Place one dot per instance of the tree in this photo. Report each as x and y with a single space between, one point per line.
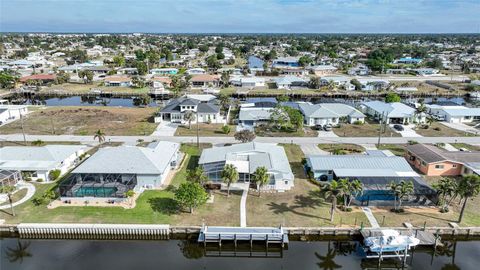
278 117
38 142
349 189
225 78
9 191
468 188
447 189
315 83
244 136
224 101
229 175
295 117
130 194
190 195
86 75
212 62
119 60
226 129
54 174
305 60
100 136
62 77
332 191
142 68
189 116
392 97
429 120
261 177
7 80
197 175
400 191
358 85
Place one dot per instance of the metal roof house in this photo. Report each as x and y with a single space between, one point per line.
329 113
37 162
392 113
112 171
254 112
206 110
374 170
455 113
247 157
286 62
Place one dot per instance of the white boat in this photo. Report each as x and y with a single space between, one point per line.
390 241
475 95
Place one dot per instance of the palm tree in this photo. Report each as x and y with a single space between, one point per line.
429 120
469 187
9 190
446 188
197 175
350 189
229 176
18 253
332 191
189 116
401 190
100 136
261 177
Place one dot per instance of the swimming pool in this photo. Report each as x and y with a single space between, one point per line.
95 192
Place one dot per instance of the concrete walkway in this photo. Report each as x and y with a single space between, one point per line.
243 208
165 129
450 147
30 193
461 127
371 218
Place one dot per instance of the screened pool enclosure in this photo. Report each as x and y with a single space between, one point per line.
97 185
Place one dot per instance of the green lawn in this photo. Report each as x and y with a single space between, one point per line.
265 131
438 130
466 146
204 130
343 149
364 130
396 149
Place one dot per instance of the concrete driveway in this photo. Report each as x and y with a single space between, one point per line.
462 127
407 131
312 149
326 134
165 129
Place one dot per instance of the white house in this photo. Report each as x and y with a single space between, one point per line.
455 113
247 82
289 82
329 113
246 158
118 81
204 107
37 162
373 84
392 113
195 71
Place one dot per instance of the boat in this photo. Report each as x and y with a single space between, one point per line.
390 241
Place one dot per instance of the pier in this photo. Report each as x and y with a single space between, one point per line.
267 235
426 238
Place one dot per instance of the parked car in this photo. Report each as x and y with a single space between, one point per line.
398 127
327 127
318 127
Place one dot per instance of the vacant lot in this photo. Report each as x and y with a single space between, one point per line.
304 205
365 130
266 131
85 88
342 149
86 121
204 130
438 130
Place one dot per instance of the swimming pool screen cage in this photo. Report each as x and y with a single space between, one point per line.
9 177
97 185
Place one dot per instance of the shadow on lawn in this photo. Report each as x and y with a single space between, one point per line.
166 206
312 200
193 162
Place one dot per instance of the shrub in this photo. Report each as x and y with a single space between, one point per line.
226 129
28 179
54 174
358 122
39 180
437 128
412 142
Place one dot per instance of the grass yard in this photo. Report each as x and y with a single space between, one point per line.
365 130
396 149
85 88
342 149
31 143
438 130
16 196
466 146
301 206
86 121
205 130
153 206
264 131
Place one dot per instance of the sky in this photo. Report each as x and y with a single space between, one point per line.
241 16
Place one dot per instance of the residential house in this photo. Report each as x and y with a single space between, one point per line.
373 84
322 70
454 113
425 71
123 81
435 161
391 113
254 112
290 82
246 158
375 170
204 80
359 70
255 64
41 79
127 71
408 61
247 82
286 62
329 113
112 171
204 106
37 162
196 71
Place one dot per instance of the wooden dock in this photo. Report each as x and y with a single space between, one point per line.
245 234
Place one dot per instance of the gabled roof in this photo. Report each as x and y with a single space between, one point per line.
39 77
130 159
329 110
173 106
395 109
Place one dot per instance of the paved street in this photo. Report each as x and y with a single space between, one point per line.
217 140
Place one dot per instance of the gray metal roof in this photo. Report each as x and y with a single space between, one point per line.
329 110
173 106
391 110
362 165
130 159
254 114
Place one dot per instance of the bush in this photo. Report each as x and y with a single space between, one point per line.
226 129
412 142
37 201
53 175
358 122
437 128
40 180
28 179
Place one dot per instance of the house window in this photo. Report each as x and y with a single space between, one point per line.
454 165
286 182
439 167
330 172
423 163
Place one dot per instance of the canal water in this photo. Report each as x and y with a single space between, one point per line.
133 102
183 254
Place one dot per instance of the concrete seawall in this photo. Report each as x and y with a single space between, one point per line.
165 231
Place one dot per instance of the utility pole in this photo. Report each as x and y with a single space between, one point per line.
380 129
23 130
198 128
53 126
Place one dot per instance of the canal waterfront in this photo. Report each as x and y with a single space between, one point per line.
182 254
